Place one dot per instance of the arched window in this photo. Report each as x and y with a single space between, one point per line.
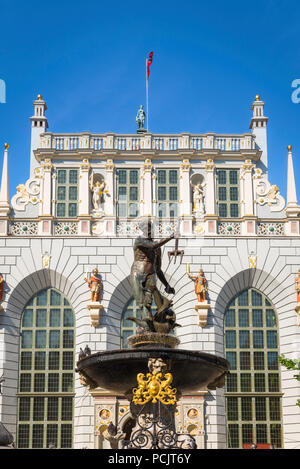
253 398
46 372
129 328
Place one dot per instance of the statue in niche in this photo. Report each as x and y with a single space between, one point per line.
198 199
297 286
145 269
140 118
200 285
95 285
97 186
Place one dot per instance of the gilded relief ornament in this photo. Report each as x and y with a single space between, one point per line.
154 387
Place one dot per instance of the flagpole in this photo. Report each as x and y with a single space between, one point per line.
147 104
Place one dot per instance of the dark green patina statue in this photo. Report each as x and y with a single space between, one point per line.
145 270
140 119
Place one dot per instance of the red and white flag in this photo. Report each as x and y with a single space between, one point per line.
149 62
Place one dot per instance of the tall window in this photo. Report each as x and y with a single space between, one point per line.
67 193
167 193
128 193
253 386
228 193
129 328
46 372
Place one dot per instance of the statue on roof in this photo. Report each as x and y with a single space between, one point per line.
140 118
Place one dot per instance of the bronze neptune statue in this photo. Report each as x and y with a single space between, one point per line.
145 270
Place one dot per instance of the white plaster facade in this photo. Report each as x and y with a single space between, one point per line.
106 243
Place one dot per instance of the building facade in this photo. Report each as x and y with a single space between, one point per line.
80 210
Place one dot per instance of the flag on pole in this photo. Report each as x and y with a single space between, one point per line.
149 62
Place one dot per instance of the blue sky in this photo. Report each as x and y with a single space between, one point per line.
87 59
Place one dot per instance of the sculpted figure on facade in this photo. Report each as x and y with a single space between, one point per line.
145 270
95 285
200 285
140 118
98 189
198 199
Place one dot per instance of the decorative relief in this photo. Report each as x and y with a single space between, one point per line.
27 193
65 228
128 228
154 387
270 229
24 228
164 228
229 228
267 194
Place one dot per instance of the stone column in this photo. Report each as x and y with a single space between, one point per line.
210 198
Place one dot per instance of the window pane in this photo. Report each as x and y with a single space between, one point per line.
41 298
133 193
261 434
270 318
234 210
40 360
275 430
221 177
26 363
245 360
54 339
232 408
271 339
230 318
247 433
67 382
230 339
274 403
122 191
259 382
67 408
258 339
53 382
54 317
23 436
61 176
256 298
38 408
233 177
68 361
259 360
245 382
173 193
222 193
41 317
161 177
72 193
68 318
134 178
24 409
27 320
37 436
243 318
39 382
66 436
55 298
61 193
246 407
68 339
73 176
161 193
244 337
234 193
223 210
25 383
257 318
243 298
72 210
26 339
272 360
52 431
61 210
122 176
52 413
53 360
233 436
40 339
173 176
273 382
231 380
260 408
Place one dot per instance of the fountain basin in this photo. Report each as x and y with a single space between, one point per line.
117 370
